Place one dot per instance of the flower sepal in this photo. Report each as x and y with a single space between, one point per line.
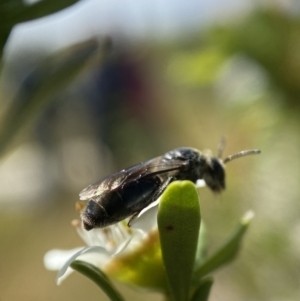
98 277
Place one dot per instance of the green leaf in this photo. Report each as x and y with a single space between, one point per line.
98 277
203 290
40 86
178 225
201 253
13 12
227 252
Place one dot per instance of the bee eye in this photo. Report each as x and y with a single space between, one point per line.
218 169
215 176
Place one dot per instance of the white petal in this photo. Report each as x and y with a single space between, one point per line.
100 257
147 218
68 272
55 259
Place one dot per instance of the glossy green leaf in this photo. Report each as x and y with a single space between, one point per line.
203 290
178 225
227 252
98 277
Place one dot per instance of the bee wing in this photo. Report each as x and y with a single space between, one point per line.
149 168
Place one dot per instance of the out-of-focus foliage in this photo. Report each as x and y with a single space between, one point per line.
13 12
272 39
41 85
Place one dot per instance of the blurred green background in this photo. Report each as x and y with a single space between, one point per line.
81 103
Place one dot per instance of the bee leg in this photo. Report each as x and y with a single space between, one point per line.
133 217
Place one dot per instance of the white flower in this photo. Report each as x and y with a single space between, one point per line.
105 244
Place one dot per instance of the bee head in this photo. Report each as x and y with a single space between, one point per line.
214 175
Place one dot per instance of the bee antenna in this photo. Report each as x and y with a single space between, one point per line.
221 147
241 154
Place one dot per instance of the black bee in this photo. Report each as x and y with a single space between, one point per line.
126 193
